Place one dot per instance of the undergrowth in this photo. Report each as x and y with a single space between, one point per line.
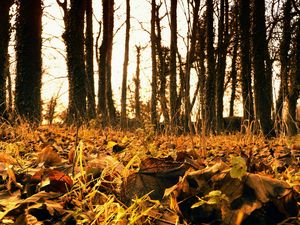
99 160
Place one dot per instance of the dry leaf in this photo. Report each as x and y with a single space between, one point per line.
49 157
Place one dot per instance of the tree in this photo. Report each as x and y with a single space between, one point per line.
163 67
200 48
233 73
29 61
262 82
154 65
105 102
74 41
295 87
223 40
244 26
125 66
137 84
89 60
173 52
109 95
4 39
102 109
210 81
190 58
284 57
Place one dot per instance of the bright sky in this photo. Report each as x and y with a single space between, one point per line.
53 47
55 73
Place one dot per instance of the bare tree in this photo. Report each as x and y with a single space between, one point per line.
74 41
223 40
210 81
125 66
163 67
89 60
263 97
295 84
244 25
284 57
4 59
105 101
233 73
109 95
190 58
29 60
173 52
154 66
137 83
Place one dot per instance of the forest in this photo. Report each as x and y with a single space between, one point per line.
214 140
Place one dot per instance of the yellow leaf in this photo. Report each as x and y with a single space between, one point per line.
111 144
239 167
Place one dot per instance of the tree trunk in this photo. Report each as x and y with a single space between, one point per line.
263 98
4 40
190 57
154 66
89 59
137 85
295 88
221 65
174 113
9 89
29 61
162 56
102 109
125 66
202 71
105 101
233 76
244 22
284 58
74 41
210 81
233 73
109 95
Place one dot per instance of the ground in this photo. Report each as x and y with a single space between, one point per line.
54 174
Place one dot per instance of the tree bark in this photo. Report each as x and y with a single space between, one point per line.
74 41
210 81
223 39
233 73
190 57
109 95
4 59
102 105
244 25
154 66
89 59
174 112
137 83
163 53
295 88
125 66
202 71
284 58
263 98
105 101
29 61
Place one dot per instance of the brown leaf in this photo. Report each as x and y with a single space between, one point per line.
49 157
52 180
12 179
154 177
7 159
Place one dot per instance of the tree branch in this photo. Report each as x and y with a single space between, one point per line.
63 5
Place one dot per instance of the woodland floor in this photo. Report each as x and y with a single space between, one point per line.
61 175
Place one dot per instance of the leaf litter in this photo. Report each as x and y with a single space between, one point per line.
60 175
